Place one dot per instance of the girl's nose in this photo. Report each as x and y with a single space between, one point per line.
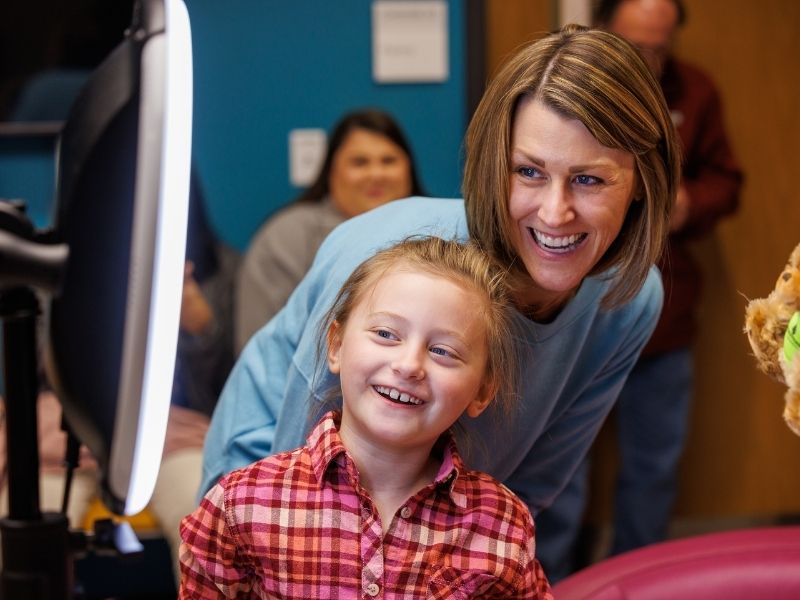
409 364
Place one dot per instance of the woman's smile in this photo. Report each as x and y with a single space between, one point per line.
557 244
568 198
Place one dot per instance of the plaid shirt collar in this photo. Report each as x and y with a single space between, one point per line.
325 445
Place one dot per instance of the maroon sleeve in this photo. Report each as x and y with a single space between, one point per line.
711 173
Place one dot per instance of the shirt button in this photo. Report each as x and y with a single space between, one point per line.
373 589
405 512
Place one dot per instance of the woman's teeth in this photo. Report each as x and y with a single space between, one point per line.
396 395
557 244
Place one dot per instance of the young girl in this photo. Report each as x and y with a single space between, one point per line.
379 503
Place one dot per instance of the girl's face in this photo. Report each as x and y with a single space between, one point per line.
368 170
568 199
411 359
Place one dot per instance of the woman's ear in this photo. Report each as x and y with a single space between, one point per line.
334 345
485 396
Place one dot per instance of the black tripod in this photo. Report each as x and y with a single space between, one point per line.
38 548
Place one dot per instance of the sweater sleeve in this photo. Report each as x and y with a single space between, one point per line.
712 176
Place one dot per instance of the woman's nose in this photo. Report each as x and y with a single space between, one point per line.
556 207
377 170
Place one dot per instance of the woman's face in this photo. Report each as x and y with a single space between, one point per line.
368 170
568 199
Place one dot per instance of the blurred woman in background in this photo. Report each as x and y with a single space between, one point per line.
368 163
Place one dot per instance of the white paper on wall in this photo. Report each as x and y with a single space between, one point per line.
307 149
410 41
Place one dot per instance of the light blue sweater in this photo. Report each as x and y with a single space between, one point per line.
572 368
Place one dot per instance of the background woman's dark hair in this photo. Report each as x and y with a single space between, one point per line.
373 120
603 11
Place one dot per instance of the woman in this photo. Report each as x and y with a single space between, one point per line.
571 170
368 163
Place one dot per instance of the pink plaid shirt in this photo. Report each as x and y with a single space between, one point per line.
299 525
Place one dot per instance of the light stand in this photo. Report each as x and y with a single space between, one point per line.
37 548
122 190
37 561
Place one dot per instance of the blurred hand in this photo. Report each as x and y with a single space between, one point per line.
680 212
196 313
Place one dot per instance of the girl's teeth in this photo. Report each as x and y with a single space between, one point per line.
397 395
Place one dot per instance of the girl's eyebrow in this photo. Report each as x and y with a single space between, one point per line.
385 313
446 332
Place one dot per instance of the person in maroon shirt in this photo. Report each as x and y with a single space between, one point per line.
653 408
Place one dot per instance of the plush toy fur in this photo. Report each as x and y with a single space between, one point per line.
766 321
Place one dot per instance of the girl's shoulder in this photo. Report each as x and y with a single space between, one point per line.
485 493
274 472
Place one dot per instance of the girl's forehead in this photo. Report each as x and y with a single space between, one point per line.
404 267
447 285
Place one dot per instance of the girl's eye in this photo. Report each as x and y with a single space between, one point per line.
443 352
385 334
587 180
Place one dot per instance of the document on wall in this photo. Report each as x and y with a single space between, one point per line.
410 41
307 148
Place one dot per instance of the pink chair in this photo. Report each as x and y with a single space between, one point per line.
752 564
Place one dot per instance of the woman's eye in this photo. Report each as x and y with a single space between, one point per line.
587 180
529 172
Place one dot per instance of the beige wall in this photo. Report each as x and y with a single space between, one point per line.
741 459
510 23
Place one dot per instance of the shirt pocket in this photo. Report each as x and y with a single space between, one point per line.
457 584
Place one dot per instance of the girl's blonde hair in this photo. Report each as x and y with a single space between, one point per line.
464 264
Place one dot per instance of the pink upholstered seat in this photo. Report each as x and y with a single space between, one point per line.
752 564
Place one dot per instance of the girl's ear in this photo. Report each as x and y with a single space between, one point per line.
334 345
485 395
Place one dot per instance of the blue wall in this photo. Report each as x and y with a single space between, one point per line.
261 69
264 67
27 173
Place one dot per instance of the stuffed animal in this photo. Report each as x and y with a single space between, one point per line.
772 325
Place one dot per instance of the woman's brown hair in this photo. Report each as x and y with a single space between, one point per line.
599 79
